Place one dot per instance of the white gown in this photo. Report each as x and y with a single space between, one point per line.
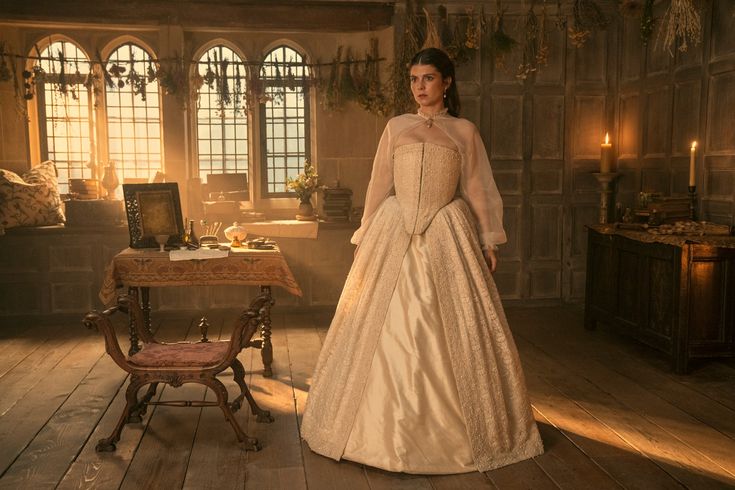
419 372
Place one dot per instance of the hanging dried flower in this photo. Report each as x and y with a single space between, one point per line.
530 46
500 42
457 47
542 53
151 72
473 32
681 24
209 76
432 35
332 100
587 18
561 18
237 96
398 85
578 38
62 84
224 83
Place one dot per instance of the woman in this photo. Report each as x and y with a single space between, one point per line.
419 372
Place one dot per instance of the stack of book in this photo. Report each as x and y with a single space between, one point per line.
671 208
337 204
85 189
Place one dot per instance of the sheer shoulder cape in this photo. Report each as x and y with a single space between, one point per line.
476 186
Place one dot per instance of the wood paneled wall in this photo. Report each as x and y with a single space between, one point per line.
665 102
544 133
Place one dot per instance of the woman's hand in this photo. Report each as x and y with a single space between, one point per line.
491 259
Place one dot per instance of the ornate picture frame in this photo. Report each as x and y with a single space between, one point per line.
153 209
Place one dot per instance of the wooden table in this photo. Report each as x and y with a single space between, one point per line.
141 269
671 292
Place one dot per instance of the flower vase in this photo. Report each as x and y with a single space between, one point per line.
110 181
306 210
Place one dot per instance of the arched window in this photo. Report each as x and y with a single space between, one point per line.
66 118
133 114
285 118
222 123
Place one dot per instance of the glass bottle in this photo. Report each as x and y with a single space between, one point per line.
190 237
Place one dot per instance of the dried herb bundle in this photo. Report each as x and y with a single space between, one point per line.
681 24
398 84
432 39
369 91
500 42
331 98
587 18
530 45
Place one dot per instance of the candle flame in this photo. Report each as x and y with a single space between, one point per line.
607 138
694 145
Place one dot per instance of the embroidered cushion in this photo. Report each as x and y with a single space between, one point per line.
30 200
181 354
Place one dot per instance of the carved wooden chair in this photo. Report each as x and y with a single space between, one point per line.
178 363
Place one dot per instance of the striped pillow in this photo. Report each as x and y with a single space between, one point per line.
30 200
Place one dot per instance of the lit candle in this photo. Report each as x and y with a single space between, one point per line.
606 155
692 156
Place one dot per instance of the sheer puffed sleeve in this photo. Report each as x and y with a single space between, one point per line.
478 188
381 182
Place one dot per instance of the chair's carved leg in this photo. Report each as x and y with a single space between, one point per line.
134 345
261 416
145 294
131 397
136 414
248 443
265 334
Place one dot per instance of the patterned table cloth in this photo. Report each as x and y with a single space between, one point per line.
151 268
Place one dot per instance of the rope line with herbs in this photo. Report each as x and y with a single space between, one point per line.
242 85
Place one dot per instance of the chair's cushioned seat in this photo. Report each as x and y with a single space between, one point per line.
180 354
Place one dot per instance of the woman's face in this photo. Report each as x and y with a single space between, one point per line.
428 87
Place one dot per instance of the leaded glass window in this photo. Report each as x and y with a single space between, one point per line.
285 119
133 113
222 123
66 118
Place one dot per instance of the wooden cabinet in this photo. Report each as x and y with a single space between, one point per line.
674 294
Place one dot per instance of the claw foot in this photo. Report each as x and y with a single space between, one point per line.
251 444
264 417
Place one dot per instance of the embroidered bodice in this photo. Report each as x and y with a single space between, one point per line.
425 178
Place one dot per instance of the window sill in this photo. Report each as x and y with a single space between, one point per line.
291 228
283 228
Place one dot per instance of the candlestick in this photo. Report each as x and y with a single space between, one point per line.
606 155
693 202
605 179
692 158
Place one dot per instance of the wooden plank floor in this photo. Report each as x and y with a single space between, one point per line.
609 411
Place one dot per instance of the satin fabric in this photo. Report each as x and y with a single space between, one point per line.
410 406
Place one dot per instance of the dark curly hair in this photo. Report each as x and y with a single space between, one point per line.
440 60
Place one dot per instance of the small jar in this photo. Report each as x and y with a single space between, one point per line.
236 234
